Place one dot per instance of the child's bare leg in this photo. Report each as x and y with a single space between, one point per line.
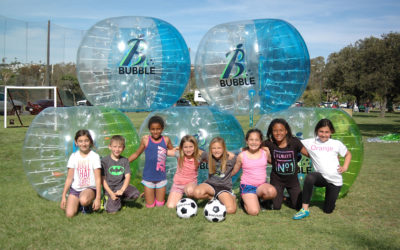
86 197
72 206
229 201
160 196
149 195
173 199
189 189
203 191
266 191
251 204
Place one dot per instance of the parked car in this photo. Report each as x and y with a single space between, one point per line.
10 108
326 105
361 108
83 103
36 107
183 102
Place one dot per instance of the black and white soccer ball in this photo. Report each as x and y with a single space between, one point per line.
215 211
186 208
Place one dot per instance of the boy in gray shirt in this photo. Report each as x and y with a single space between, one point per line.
116 175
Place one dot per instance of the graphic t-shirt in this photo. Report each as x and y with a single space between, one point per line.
115 171
324 156
220 179
284 160
84 170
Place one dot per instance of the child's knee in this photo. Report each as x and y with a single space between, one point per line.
230 209
85 201
70 213
197 193
252 211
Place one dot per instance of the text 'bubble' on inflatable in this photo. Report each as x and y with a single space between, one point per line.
255 66
49 142
204 124
133 64
302 121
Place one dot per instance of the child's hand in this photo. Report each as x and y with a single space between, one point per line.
96 204
342 169
113 196
63 203
119 192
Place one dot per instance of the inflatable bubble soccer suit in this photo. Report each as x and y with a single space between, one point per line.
133 64
302 122
257 66
204 123
49 142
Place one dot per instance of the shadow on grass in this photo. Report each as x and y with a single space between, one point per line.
132 204
373 130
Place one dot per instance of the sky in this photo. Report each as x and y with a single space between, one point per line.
326 26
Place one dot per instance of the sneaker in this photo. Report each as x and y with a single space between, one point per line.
87 210
301 214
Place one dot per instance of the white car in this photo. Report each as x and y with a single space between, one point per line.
10 108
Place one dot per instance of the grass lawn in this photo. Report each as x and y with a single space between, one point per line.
368 217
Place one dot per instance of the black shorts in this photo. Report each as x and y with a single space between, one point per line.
219 190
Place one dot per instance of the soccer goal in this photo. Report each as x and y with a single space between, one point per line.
6 103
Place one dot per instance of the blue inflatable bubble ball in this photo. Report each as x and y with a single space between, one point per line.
133 64
204 124
302 122
257 66
49 142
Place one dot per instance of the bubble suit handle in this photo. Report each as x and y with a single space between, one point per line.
133 64
268 56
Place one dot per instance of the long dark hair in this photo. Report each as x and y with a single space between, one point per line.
324 123
254 130
84 132
284 123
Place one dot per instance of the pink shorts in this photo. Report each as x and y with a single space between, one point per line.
177 188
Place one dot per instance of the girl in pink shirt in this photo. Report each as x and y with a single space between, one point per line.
185 178
253 161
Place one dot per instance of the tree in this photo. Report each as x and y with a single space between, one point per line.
312 96
367 70
65 78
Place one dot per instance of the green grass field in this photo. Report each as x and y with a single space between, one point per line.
367 218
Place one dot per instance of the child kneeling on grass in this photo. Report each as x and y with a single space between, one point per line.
116 175
324 153
83 178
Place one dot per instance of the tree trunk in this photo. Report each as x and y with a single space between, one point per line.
383 106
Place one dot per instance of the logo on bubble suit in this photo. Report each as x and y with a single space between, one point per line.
236 60
135 61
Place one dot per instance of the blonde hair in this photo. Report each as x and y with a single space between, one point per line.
118 139
188 138
224 157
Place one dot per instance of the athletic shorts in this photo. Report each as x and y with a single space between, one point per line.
155 184
130 193
177 188
248 189
219 190
77 193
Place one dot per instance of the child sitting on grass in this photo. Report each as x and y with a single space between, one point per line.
116 175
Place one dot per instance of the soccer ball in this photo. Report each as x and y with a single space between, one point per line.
186 208
215 211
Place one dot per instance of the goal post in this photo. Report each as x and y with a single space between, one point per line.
6 88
